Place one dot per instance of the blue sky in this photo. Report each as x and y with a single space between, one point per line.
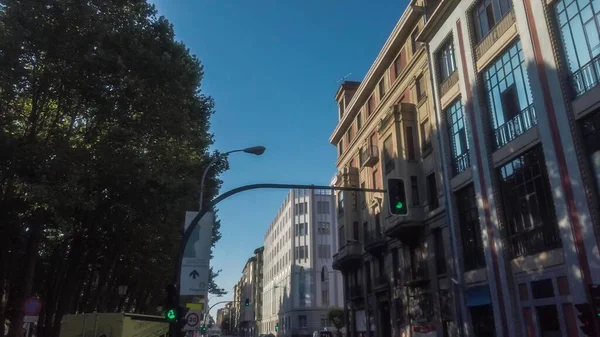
273 67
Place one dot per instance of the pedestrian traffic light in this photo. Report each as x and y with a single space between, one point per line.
171 305
247 302
586 318
203 327
397 197
276 326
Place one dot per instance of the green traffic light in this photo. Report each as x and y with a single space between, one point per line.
170 315
399 205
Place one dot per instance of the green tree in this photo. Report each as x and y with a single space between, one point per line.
336 317
103 133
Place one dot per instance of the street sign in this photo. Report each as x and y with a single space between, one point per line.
192 319
32 306
195 265
30 319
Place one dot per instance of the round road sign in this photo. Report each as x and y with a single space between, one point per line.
192 319
32 306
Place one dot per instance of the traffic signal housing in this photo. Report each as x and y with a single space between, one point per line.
397 202
277 326
171 305
595 294
247 302
586 317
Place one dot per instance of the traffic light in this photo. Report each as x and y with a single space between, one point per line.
276 326
203 328
247 302
397 202
171 305
595 294
586 318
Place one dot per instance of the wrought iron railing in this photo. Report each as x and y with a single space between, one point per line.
461 163
448 83
586 77
368 155
515 127
535 240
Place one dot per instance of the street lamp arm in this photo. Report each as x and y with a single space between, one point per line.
215 201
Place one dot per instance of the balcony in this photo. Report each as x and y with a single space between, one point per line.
513 128
535 240
495 34
348 257
449 83
406 228
586 77
375 242
369 155
355 292
381 284
416 276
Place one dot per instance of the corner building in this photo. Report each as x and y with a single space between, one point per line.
396 271
516 86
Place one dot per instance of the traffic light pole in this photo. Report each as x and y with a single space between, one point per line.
174 330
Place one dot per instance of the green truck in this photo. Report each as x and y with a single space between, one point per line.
113 325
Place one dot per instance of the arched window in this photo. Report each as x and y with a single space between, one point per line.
324 274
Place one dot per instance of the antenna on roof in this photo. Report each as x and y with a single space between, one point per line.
341 80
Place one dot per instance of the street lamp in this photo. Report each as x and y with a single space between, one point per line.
255 150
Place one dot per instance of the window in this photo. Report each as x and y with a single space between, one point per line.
487 13
323 228
432 192
302 321
322 207
470 228
358 121
302 287
340 202
301 229
458 137
413 40
325 297
398 65
529 214
446 61
426 135
420 88
340 148
440 254
355 235
376 179
414 185
388 151
324 274
302 252
362 196
341 110
509 96
342 236
579 24
370 105
381 88
410 143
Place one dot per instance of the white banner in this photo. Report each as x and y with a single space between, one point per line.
195 265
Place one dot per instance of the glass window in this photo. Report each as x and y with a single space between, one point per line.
370 105
579 24
458 137
509 95
410 143
420 87
470 228
440 254
388 150
398 65
426 135
529 214
487 13
381 86
446 61
432 192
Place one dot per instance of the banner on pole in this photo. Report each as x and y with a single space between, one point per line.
195 265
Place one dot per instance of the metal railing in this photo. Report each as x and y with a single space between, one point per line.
515 127
586 77
535 240
461 163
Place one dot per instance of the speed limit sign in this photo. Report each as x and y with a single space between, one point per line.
192 319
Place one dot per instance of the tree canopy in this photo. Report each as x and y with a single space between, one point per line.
104 133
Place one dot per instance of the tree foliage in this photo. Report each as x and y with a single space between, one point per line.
336 317
104 133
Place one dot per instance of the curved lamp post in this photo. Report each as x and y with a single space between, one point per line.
255 150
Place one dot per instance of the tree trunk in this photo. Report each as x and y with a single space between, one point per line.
37 223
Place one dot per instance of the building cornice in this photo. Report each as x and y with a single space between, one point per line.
437 19
394 42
